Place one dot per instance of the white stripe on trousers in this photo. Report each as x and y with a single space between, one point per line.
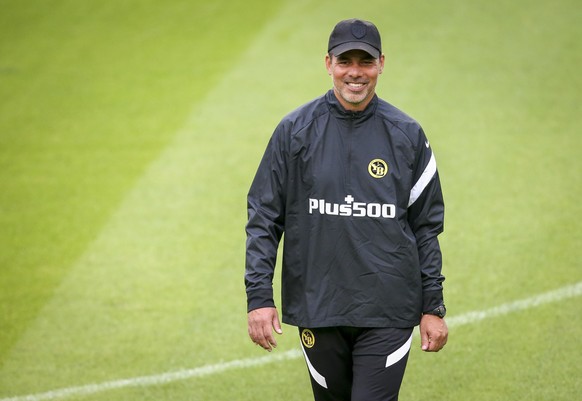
393 358
314 373
399 353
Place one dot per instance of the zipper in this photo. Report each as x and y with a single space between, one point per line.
351 139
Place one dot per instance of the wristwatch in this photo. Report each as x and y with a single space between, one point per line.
439 311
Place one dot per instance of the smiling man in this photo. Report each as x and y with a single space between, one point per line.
352 183
354 74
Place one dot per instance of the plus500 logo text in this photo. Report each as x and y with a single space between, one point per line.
351 208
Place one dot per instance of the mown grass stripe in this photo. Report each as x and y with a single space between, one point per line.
557 295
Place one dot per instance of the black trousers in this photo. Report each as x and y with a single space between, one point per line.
356 364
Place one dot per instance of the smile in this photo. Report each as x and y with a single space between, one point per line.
355 86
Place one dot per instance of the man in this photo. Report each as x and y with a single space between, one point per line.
353 184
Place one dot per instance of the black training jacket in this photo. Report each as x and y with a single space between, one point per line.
358 197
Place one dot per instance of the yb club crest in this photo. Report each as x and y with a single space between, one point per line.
307 338
378 168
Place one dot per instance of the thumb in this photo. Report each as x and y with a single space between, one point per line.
277 324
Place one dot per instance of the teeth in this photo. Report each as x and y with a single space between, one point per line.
355 85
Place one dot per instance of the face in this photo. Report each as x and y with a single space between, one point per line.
354 74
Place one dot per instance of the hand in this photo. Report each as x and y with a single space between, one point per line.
433 333
262 322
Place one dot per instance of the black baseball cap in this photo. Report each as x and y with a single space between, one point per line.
352 34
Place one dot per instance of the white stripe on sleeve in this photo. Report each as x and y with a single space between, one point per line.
423 181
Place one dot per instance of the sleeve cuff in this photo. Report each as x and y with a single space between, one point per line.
432 300
260 299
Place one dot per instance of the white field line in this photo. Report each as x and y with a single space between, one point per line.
557 295
160 379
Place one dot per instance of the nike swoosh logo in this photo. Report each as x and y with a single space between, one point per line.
427 144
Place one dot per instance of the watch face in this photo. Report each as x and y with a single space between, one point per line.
441 311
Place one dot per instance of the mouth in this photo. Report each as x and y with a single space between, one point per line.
355 86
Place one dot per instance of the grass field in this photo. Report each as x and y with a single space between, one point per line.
129 134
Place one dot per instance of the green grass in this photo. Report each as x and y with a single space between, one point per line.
91 92
130 132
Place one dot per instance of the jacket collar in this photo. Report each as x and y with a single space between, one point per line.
339 111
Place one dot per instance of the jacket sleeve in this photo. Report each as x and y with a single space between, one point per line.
426 218
266 222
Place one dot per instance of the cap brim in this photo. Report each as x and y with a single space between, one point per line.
344 47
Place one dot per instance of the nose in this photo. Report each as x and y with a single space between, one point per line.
355 71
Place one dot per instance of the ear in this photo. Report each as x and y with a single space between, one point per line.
328 63
381 60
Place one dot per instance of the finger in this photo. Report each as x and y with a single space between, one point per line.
253 327
266 345
424 340
263 340
270 341
262 330
436 344
277 325
251 333
256 334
